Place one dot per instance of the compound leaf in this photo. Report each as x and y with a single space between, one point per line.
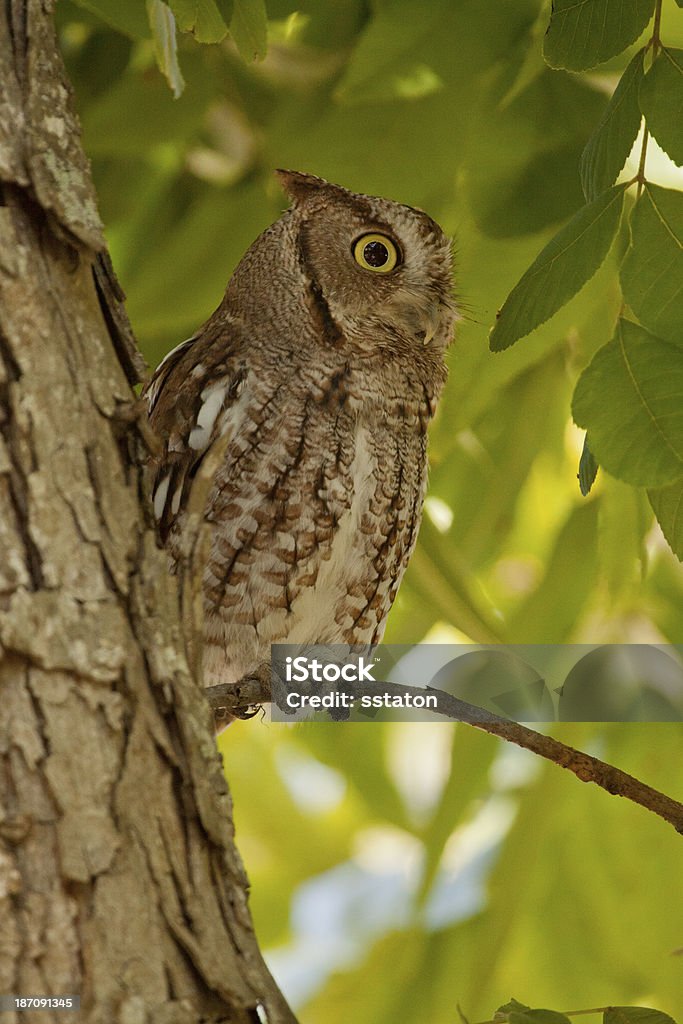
609 145
661 101
652 271
667 505
568 261
163 27
249 29
200 17
583 33
635 1015
630 398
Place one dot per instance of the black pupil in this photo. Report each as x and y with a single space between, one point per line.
376 254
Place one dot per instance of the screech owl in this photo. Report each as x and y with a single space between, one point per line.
318 375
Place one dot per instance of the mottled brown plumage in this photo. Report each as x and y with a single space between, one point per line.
321 375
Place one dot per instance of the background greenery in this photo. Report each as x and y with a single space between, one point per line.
400 870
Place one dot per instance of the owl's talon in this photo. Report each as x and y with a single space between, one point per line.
246 714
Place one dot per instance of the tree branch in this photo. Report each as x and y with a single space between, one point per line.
253 690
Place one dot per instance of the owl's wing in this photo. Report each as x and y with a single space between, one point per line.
190 396
155 385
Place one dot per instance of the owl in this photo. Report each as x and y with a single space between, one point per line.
315 381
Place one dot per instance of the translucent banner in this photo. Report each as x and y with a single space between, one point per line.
522 683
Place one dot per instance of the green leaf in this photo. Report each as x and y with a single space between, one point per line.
588 469
568 261
510 1006
583 33
537 1017
630 398
226 8
486 268
661 101
667 504
610 143
126 16
163 27
635 1015
249 28
200 17
652 271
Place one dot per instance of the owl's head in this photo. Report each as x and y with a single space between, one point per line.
372 261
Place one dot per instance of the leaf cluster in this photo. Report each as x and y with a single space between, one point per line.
630 397
209 21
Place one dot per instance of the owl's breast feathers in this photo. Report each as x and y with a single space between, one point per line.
315 505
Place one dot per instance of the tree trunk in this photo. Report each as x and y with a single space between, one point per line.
119 880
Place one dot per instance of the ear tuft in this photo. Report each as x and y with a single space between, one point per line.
299 186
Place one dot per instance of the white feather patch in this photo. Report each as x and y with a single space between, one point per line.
160 495
212 402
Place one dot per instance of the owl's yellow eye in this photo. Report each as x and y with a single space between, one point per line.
376 252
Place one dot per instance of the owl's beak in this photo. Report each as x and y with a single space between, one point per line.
430 318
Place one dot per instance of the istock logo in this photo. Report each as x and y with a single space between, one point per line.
303 669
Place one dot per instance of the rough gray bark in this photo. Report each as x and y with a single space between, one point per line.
119 879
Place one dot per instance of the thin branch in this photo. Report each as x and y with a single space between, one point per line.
656 44
254 690
640 176
656 39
